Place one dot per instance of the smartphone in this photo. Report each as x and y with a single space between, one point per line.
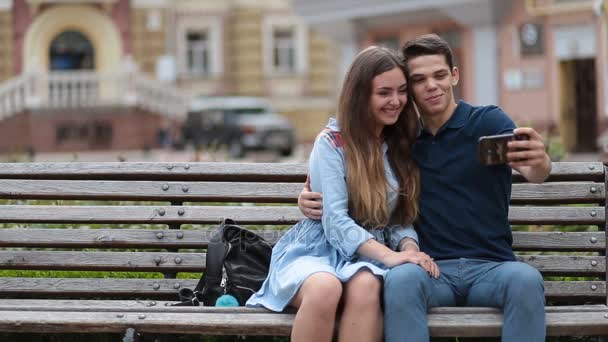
492 149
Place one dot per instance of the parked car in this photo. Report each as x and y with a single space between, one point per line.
240 123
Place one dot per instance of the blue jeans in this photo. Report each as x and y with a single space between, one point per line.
514 286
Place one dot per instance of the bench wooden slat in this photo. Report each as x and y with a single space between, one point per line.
557 215
247 214
566 264
572 171
93 287
546 193
210 171
276 324
199 238
115 238
283 172
100 305
150 190
559 241
552 309
490 324
564 192
194 262
103 261
149 214
84 305
464 325
167 288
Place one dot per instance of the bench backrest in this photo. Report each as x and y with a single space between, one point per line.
153 221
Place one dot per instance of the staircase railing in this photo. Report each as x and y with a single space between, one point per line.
86 89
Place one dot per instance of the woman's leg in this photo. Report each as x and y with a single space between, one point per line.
317 302
362 316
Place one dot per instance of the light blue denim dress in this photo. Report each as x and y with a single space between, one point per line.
328 245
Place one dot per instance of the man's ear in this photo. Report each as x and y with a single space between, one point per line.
455 76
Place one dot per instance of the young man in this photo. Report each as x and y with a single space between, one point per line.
463 220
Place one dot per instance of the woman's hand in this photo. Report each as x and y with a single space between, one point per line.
419 258
310 203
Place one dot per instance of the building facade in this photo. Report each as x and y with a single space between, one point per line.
111 74
543 61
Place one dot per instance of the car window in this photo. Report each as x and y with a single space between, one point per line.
238 111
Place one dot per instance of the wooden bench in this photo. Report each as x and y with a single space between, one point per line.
157 217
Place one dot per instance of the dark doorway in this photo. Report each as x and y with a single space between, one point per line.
578 105
71 50
586 105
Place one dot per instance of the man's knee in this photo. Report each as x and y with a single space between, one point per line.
524 280
522 273
405 278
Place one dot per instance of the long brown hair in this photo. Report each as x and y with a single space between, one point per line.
365 173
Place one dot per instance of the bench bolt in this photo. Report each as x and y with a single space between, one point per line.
176 286
593 213
181 212
593 189
178 260
157 260
152 303
605 315
591 167
170 167
165 187
156 286
120 315
141 316
185 188
593 287
161 212
180 235
593 239
593 263
187 166
159 235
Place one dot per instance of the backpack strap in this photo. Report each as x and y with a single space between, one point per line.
216 254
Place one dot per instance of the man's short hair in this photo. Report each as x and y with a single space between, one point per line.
427 44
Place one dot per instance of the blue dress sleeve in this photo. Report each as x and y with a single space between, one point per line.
328 176
396 233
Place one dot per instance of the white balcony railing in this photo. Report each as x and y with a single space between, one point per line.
86 89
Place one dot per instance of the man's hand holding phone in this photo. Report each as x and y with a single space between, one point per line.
529 152
524 150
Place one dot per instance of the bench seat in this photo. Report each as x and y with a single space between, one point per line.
103 247
147 316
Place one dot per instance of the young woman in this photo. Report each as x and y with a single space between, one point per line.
370 189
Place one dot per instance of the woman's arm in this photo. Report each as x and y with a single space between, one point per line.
329 177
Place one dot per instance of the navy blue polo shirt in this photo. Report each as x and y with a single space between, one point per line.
463 204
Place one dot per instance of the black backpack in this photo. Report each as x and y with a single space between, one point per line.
237 264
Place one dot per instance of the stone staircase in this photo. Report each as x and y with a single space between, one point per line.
62 111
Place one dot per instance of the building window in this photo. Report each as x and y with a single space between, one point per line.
285 46
197 53
284 49
199 47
